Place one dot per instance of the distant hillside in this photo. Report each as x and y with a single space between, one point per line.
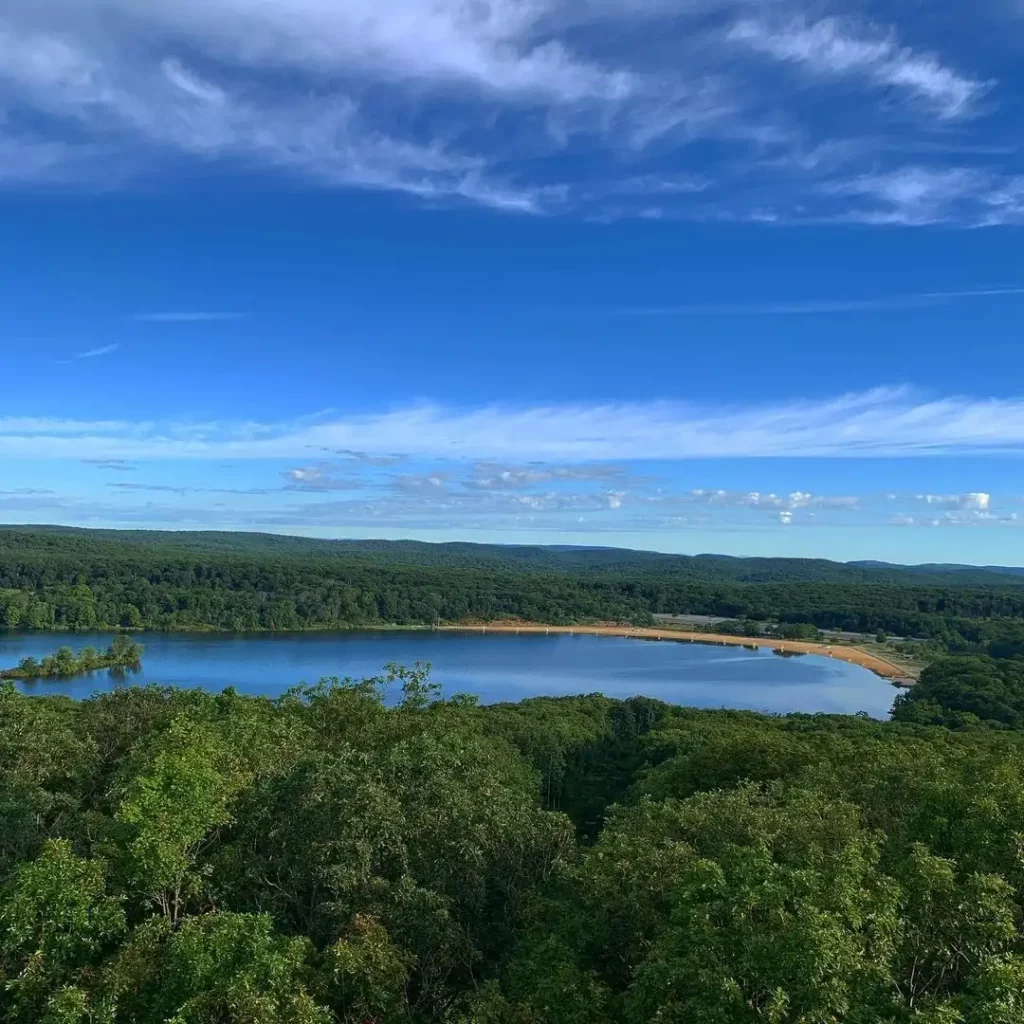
71 542
61 578
948 570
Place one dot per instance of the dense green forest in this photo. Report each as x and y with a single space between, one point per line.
365 852
74 579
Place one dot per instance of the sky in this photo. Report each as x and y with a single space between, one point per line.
738 276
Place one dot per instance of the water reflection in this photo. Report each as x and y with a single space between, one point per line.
495 667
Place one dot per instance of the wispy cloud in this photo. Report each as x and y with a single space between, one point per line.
158 488
424 483
490 476
388 459
318 478
980 501
966 516
538 107
435 500
920 195
103 350
786 503
879 423
183 490
808 307
117 465
186 318
840 47
314 129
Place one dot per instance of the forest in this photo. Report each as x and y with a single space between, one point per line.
363 851
77 580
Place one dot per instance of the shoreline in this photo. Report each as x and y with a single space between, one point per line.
897 675
852 655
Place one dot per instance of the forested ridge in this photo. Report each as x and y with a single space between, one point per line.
74 579
333 856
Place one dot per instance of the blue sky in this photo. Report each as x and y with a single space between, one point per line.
720 275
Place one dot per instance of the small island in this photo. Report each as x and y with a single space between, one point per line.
123 653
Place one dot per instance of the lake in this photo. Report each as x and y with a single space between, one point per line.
497 668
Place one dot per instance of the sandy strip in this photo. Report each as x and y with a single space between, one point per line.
853 655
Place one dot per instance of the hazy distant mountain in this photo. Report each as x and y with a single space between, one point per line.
944 567
65 542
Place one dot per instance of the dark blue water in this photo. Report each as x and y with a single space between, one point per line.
497 668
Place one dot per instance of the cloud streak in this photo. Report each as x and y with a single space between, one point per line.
880 423
103 350
117 465
186 318
838 47
812 307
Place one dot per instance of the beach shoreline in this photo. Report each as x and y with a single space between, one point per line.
853 655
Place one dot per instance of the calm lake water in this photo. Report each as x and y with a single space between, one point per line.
497 668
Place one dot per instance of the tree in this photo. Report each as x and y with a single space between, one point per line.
726 907
64 662
131 617
12 614
368 975
215 967
29 667
56 922
949 928
123 651
172 808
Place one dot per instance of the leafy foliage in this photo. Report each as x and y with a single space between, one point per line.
965 692
336 857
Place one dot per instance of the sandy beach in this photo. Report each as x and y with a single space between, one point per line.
853 655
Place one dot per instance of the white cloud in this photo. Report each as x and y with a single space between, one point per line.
839 47
120 103
975 508
924 195
879 423
496 45
489 476
960 510
783 505
318 478
528 106
978 500
97 70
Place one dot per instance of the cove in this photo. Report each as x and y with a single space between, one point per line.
494 667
